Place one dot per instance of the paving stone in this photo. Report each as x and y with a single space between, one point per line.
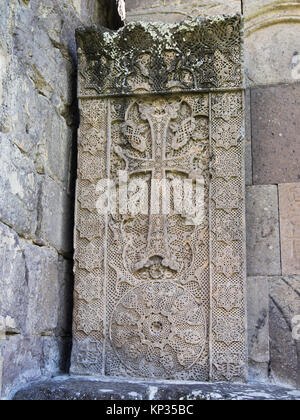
263 247
284 330
83 388
289 210
276 134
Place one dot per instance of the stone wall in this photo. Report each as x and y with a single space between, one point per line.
38 124
272 66
273 193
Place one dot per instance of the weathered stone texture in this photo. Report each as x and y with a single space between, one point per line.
55 209
284 344
275 134
142 294
170 11
263 246
85 388
13 283
18 189
289 209
28 359
42 280
37 136
274 330
35 296
272 44
248 138
258 325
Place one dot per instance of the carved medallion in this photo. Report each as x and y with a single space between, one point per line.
158 329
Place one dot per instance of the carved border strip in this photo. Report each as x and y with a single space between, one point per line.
228 321
89 259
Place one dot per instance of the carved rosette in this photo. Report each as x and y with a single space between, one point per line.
147 286
158 329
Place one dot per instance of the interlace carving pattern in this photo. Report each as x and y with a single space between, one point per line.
150 332
159 326
89 243
228 238
147 285
162 58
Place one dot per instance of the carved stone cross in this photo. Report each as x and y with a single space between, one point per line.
155 296
158 165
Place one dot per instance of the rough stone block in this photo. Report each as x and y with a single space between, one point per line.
58 148
275 134
55 216
27 359
65 297
289 209
42 277
13 283
284 337
18 189
272 43
170 11
3 66
40 129
22 361
258 319
41 60
263 247
56 355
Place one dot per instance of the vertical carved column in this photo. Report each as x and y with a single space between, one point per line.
227 227
160 294
89 264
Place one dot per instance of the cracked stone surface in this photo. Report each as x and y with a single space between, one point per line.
263 247
284 340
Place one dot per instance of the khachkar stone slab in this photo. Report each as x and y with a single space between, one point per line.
160 289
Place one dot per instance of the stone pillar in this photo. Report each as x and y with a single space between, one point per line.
160 293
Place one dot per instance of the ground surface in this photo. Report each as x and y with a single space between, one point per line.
84 388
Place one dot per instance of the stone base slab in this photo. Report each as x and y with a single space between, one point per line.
90 388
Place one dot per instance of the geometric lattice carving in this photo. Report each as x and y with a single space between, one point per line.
161 294
165 337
